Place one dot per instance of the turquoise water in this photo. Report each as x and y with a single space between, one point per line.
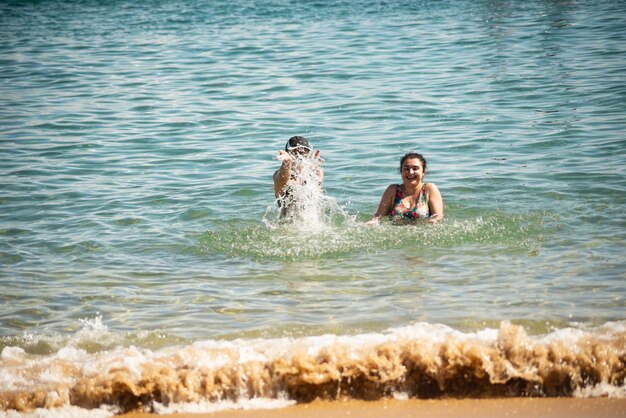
138 143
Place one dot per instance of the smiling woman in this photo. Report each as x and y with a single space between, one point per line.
413 199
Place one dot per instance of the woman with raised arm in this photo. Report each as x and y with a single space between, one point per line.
299 168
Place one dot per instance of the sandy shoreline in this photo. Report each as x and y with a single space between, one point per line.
444 408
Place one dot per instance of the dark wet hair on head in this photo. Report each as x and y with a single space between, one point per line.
412 155
297 143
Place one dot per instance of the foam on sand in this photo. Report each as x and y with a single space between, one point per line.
418 361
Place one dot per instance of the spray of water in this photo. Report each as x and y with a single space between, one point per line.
308 224
305 207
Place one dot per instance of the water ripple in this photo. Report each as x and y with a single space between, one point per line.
137 145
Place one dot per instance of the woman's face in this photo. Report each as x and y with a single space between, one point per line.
412 171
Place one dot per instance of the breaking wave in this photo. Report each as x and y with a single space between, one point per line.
419 361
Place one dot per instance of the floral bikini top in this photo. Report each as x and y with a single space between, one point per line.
420 210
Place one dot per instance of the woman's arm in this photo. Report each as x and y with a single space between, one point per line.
435 203
384 207
281 176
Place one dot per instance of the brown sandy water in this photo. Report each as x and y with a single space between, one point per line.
416 363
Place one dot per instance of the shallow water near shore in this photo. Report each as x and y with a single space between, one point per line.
139 233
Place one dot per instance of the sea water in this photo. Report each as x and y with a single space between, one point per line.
141 251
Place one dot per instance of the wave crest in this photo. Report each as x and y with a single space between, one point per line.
422 361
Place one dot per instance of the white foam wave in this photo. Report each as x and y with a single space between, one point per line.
65 412
210 407
233 374
602 390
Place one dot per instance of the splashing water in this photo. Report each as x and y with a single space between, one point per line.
305 207
336 233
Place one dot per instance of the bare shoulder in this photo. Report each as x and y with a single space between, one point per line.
431 188
390 193
391 189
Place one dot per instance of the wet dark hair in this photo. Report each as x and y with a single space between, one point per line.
296 143
412 155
